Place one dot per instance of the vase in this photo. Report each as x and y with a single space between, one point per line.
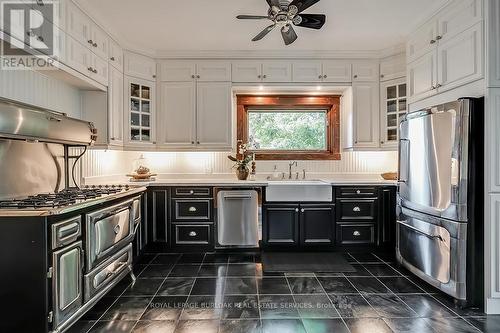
242 172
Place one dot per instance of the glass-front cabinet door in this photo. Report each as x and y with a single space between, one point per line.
393 108
140 126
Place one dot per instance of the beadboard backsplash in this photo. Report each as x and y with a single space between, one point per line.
99 163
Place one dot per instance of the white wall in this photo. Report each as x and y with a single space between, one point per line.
111 163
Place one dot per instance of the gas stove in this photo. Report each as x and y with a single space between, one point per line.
67 199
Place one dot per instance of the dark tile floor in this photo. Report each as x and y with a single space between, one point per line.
229 293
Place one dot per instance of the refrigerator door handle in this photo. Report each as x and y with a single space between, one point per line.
420 231
406 144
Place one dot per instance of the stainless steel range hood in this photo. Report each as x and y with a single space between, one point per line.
23 122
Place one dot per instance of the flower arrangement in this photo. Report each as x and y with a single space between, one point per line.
241 160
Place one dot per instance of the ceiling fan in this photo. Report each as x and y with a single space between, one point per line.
285 14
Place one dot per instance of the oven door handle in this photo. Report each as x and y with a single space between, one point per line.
420 231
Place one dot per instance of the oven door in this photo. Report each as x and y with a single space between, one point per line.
67 296
108 230
433 249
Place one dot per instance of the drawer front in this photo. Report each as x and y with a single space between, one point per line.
189 234
194 209
356 210
66 232
181 192
357 192
356 234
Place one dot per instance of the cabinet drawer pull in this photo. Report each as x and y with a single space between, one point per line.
192 209
296 209
356 209
356 233
192 234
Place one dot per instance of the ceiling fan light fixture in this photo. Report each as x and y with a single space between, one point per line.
297 20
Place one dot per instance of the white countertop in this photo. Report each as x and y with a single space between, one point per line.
230 180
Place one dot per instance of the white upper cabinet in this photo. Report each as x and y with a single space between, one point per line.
307 71
205 71
268 71
115 107
458 17
460 59
422 41
177 115
316 71
139 66
213 71
140 113
177 71
393 67
99 42
365 114
337 71
115 55
247 71
393 106
77 24
213 115
422 77
99 70
276 71
365 71
78 56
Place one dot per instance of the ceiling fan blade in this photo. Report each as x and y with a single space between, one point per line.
263 33
251 17
313 21
275 3
289 35
302 4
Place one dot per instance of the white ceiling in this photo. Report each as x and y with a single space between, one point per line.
160 26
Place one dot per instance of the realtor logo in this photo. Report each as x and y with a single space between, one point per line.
28 33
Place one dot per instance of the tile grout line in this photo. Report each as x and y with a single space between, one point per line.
331 302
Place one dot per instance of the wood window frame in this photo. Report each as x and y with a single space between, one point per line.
331 103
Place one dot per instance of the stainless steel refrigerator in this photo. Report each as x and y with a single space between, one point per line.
440 198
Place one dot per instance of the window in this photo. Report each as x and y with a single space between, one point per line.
290 127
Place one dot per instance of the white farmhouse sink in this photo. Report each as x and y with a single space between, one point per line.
299 191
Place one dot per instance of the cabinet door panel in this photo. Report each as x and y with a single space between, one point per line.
458 17
213 115
393 67
139 66
78 24
100 43
276 71
178 108
78 56
141 112
366 114
100 70
460 59
422 77
281 225
317 225
420 42
246 71
115 112
177 71
213 71
307 71
337 71
365 71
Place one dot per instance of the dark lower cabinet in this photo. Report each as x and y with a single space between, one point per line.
387 217
280 225
316 225
157 213
298 225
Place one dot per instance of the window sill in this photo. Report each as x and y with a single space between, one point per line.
311 156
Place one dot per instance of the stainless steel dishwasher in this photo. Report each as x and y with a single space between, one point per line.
237 218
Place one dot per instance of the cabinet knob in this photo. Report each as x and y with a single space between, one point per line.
356 233
197 142
433 41
89 69
193 76
192 209
438 37
356 209
438 85
192 142
192 234
154 76
40 38
198 76
382 76
296 209
325 76
112 139
358 192
94 44
112 58
433 87
355 76
320 77
90 41
264 76
382 142
191 192
302 210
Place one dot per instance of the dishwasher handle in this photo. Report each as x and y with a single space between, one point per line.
229 197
